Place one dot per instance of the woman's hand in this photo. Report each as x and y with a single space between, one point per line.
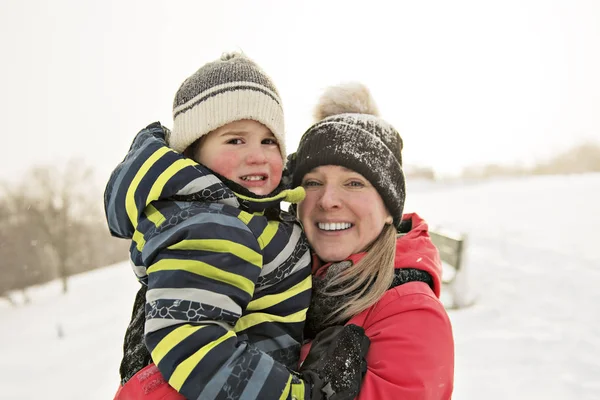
336 363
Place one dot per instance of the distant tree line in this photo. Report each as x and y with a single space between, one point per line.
52 226
419 172
579 159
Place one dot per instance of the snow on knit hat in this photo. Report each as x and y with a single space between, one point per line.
229 89
349 133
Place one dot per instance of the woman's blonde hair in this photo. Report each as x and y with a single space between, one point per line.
365 282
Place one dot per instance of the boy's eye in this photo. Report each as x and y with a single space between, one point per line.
270 141
235 141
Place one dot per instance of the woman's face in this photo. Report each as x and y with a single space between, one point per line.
342 213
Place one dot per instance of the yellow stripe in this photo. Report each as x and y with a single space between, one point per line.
130 207
154 215
164 177
293 196
220 246
204 269
272 299
257 318
171 340
245 217
298 391
286 391
183 370
263 200
139 240
265 238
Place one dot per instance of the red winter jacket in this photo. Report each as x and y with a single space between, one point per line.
412 348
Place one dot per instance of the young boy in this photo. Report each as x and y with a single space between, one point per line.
227 271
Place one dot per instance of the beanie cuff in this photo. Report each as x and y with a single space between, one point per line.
224 104
354 148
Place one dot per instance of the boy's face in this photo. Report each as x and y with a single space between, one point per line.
245 152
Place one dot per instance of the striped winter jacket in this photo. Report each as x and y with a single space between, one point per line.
228 275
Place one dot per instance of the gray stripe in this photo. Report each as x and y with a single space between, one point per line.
198 184
156 324
215 206
216 383
278 343
259 377
303 262
231 201
158 241
138 270
285 253
198 295
113 220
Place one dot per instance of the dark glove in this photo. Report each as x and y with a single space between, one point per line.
336 364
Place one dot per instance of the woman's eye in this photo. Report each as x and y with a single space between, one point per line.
309 183
234 141
270 141
355 184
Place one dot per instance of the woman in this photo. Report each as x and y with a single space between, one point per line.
364 273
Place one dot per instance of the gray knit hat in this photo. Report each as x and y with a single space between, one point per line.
350 134
229 89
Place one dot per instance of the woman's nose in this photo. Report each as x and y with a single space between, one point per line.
330 197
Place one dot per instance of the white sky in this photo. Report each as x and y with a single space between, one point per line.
464 82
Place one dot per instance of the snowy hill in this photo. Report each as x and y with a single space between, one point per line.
534 332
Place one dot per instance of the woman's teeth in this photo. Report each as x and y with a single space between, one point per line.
334 226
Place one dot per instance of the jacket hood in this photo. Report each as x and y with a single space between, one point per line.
152 171
414 249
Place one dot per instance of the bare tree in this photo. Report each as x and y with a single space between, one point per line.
22 260
52 226
58 204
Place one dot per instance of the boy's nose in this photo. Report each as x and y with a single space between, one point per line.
256 156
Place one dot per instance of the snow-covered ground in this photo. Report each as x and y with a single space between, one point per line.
534 332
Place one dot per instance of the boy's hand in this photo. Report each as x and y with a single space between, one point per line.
336 363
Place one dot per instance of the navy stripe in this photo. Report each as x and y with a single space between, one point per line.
275 383
291 305
269 330
185 348
193 311
184 279
258 226
199 226
145 185
285 284
229 262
